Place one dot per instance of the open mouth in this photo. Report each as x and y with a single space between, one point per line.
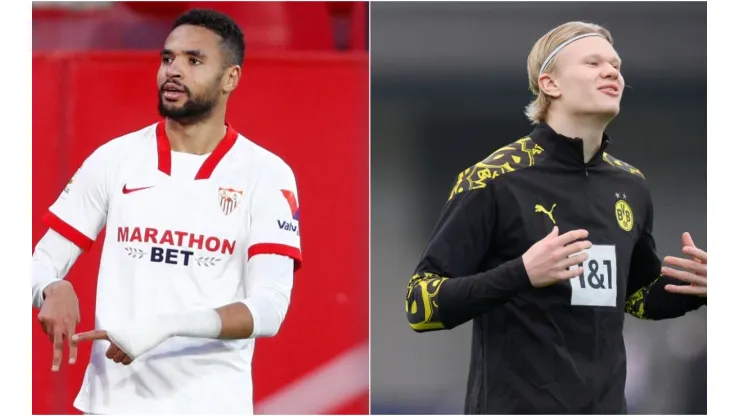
172 92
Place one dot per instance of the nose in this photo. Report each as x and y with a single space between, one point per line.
610 72
173 70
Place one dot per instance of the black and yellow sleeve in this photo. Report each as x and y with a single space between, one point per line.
448 288
646 294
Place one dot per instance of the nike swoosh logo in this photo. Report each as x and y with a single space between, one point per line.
129 190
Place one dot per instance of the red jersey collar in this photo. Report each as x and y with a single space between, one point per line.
164 155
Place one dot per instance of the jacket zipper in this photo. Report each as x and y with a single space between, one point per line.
595 352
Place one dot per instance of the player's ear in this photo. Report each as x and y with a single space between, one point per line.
549 85
231 78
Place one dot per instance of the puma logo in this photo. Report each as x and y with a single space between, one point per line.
540 208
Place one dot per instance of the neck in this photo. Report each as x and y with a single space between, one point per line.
199 138
589 129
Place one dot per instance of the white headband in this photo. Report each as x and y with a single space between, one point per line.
564 44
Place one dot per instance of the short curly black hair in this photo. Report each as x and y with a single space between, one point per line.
232 38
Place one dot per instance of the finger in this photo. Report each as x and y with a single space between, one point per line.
58 349
569 274
684 276
687 290
127 360
572 261
553 233
111 351
49 331
118 356
91 335
72 343
570 237
48 328
689 242
44 325
697 268
698 255
574 248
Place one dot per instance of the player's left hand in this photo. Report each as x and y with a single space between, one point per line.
118 355
695 270
131 340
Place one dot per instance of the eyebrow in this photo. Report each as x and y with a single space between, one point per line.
597 56
197 53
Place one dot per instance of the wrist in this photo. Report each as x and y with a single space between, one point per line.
55 287
518 267
205 323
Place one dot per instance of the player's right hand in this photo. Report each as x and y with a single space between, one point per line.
548 261
59 317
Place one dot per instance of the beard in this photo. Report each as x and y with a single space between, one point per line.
195 109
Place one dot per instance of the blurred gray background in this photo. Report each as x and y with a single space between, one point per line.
449 86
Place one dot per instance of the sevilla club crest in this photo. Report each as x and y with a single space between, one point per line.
229 199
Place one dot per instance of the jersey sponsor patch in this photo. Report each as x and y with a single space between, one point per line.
541 209
597 285
292 202
174 247
291 226
287 226
68 186
228 199
126 190
625 217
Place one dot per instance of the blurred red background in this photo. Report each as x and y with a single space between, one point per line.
304 96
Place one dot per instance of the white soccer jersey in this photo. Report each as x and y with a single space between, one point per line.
179 234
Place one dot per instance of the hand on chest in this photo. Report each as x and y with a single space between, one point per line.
607 212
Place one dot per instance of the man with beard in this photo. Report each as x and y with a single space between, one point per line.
201 247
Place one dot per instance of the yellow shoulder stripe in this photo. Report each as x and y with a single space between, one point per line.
517 155
622 165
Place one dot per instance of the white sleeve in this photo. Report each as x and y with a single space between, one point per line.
274 215
269 282
82 209
53 257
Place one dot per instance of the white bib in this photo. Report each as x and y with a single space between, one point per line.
597 285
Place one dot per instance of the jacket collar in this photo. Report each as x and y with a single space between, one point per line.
568 150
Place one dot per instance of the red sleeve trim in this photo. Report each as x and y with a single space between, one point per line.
281 249
67 231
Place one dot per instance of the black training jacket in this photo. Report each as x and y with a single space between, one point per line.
557 349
